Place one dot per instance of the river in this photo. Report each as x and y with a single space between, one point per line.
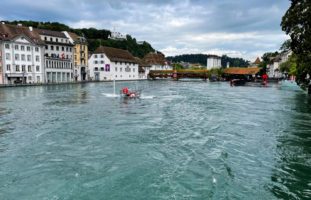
181 140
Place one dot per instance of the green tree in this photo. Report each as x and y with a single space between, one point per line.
297 24
286 46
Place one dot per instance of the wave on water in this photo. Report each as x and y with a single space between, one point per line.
111 95
147 97
117 96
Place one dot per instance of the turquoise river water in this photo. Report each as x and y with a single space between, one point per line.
181 140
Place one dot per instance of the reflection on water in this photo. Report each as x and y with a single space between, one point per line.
191 140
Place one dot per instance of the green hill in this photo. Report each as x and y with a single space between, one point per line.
95 37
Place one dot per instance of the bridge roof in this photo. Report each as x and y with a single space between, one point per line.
242 71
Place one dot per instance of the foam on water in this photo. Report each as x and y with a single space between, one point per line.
111 95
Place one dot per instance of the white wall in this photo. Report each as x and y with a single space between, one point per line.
213 62
59 59
99 63
29 55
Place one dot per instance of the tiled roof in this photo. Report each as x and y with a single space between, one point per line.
155 59
257 61
50 33
141 62
9 32
242 71
76 38
116 55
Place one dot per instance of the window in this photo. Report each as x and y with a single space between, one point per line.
96 69
16 47
133 69
46 47
38 79
29 68
63 48
56 39
128 69
120 69
8 67
7 56
101 55
70 49
37 49
95 62
102 69
23 48
116 69
28 57
51 39
23 68
107 68
17 68
67 49
37 58
57 48
95 56
37 68
45 39
23 58
16 56
28 48
61 40
52 47
7 46
29 78
102 62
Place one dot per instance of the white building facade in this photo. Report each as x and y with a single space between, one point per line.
273 69
22 56
58 56
213 61
108 64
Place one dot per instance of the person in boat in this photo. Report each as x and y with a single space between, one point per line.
129 93
265 79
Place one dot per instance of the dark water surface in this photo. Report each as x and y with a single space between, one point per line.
182 140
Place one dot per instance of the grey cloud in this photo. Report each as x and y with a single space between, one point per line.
167 23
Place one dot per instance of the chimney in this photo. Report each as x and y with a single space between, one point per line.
30 28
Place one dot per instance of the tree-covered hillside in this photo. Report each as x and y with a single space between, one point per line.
95 37
202 59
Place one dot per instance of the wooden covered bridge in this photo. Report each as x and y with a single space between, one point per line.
178 74
202 73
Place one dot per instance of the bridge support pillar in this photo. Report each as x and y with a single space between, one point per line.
175 75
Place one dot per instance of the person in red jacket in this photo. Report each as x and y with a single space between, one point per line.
265 79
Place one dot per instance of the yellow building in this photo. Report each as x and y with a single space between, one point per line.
80 56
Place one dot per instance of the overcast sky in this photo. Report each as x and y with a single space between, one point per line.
238 28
